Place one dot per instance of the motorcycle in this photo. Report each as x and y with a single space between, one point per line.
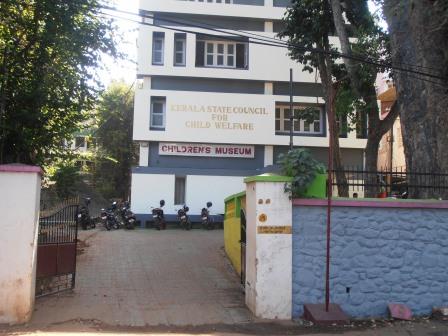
207 220
184 220
84 216
127 216
159 217
109 219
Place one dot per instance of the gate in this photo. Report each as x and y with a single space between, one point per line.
243 248
56 249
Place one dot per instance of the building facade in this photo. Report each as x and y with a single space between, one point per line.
212 107
391 151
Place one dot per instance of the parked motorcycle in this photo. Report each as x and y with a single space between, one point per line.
184 220
127 216
84 216
109 219
207 220
159 217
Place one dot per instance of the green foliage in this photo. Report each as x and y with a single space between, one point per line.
65 176
309 24
302 167
116 153
49 50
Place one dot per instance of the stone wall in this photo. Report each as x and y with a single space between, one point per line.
379 255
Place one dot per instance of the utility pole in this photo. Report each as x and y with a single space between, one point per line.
291 111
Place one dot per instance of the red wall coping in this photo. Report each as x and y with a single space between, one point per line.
20 168
374 203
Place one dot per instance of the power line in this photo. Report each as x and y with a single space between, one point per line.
270 41
266 38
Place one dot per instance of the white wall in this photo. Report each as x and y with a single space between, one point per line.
247 11
265 62
215 189
264 125
149 189
269 255
19 209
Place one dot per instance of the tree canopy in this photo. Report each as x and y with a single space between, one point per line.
49 50
116 152
320 25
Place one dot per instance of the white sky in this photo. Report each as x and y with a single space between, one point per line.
123 69
126 69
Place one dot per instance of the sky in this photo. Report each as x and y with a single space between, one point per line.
126 69
123 69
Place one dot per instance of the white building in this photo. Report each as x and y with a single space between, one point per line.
211 110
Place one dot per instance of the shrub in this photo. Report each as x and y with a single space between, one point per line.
302 167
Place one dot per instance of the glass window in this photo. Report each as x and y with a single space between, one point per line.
220 54
80 142
158 42
180 43
179 190
283 123
157 118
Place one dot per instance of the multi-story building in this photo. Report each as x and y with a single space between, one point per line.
213 107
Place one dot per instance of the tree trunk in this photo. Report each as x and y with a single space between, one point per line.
419 36
330 91
366 92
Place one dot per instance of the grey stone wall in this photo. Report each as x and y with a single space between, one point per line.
379 256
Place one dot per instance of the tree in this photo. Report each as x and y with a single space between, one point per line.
116 151
371 44
419 40
308 25
48 52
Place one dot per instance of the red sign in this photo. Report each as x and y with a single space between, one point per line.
211 150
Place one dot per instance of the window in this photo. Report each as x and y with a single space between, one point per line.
179 190
80 142
221 54
157 118
311 125
180 43
158 46
214 1
361 125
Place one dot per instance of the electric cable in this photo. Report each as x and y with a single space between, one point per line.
276 44
272 41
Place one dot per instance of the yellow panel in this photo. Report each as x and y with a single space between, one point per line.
230 209
232 237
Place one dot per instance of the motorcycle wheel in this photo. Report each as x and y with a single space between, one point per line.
107 226
116 226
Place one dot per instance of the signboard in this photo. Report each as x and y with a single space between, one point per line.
211 150
274 230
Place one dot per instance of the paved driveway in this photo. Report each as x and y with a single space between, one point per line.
145 277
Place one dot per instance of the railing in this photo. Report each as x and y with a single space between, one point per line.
397 183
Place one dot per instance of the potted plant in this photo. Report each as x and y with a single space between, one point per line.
309 175
383 192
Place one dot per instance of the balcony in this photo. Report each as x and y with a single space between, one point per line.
214 8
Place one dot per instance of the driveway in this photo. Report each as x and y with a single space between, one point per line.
149 278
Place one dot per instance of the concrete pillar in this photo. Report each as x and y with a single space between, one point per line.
144 154
19 208
269 247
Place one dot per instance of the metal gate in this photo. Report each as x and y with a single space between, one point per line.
56 250
243 248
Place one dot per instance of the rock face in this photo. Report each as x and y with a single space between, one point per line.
379 256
